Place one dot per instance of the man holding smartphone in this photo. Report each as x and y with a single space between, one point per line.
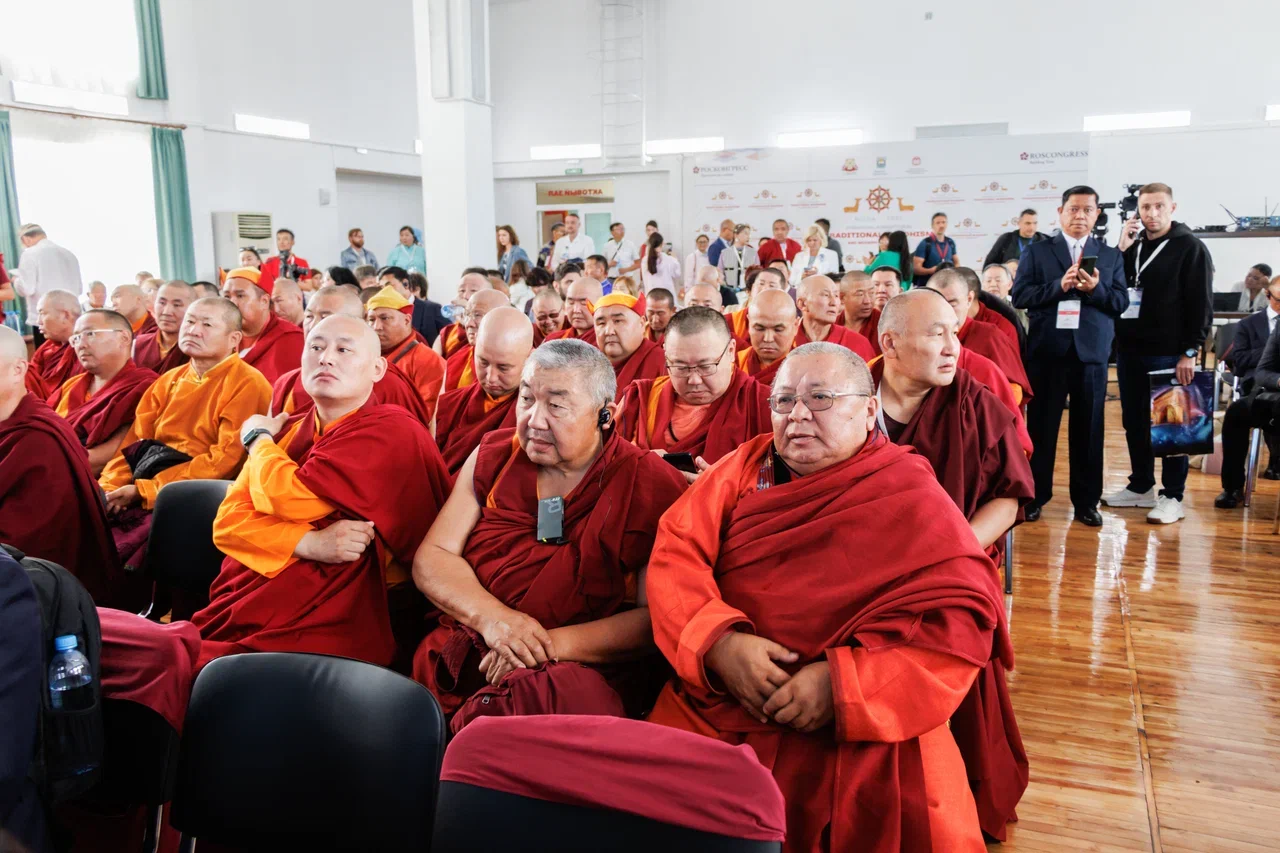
1170 278
1073 289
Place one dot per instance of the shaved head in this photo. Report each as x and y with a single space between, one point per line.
56 314
341 362
548 311
580 292
772 324
286 301
170 305
919 339
12 346
819 299
130 301
332 299
704 296
899 310
103 341
13 370
504 340
211 330
471 284
480 304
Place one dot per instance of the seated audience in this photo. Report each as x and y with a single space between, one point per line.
840 667
149 287
659 307
286 301
579 297
620 336
546 310
757 280
706 296
366 276
535 603
460 370
129 300
54 361
1261 410
157 349
1253 296
997 281
504 339
269 344
1251 339
818 298
96 297
391 317
205 289
772 330
985 339
980 309
860 314
453 337
100 403
566 274
886 282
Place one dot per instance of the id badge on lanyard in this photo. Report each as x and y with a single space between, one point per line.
1069 314
1135 292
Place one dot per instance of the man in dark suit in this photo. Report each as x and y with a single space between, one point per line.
1010 246
1250 361
1251 337
428 319
1072 317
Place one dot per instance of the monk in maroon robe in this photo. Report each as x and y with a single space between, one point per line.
620 335
460 368
271 345
452 337
983 338
772 330
54 361
546 310
857 296
982 314
580 298
158 348
818 298
546 601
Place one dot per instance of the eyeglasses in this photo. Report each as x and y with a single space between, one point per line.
709 368
91 335
814 401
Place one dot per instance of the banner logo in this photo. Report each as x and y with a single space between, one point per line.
850 165
878 199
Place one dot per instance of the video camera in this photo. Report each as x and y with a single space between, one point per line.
1125 207
288 269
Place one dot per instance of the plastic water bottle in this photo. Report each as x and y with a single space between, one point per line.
70 678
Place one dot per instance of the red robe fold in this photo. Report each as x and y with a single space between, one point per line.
465 416
453 337
393 389
649 361
379 465
35 385
145 325
97 419
995 318
587 337
971 441
870 328
50 503
146 353
985 339
610 520
277 349
985 371
459 369
55 363
741 413
749 363
839 335
657 337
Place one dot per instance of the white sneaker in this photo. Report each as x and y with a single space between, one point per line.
1167 511
1125 497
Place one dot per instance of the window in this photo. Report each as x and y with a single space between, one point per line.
90 45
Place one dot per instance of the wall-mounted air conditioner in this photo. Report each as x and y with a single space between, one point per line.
233 231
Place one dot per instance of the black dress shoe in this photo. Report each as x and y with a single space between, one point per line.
1229 499
1031 513
1089 516
1271 474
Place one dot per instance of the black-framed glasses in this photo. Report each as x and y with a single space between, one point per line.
814 401
704 370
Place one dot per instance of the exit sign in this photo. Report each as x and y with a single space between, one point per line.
577 171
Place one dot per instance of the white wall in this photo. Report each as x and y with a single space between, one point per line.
379 205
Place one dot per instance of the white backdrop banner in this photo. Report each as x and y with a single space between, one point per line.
981 183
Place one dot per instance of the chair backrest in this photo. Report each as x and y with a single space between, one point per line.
298 751
180 550
1223 338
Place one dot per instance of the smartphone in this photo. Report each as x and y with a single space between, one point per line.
681 462
1088 264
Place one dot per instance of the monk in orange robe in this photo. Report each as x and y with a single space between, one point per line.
100 403
983 338
547 314
391 317
706 407
756 281
270 344
857 296
158 349
546 603
394 388
504 340
460 370
129 300
186 426
838 659
579 297
772 330
620 335
54 361
818 298
452 337
50 506
659 308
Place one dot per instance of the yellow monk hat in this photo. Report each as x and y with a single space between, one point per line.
251 274
389 297
624 299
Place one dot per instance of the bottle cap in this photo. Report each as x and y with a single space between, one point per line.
65 643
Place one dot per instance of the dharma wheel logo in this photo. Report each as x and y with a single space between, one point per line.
878 199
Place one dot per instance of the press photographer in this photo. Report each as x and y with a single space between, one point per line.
285 264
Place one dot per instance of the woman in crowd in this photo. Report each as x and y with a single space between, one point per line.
696 260
518 276
538 279
884 247
895 252
418 284
659 269
509 252
249 257
818 260
408 254
738 257
626 284
341 275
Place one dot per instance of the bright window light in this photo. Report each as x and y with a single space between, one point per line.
72 99
1273 112
820 138
272 126
584 151
1138 121
694 145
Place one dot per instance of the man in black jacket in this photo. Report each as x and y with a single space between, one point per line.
1170 277
1246 352
1009 246
1260 409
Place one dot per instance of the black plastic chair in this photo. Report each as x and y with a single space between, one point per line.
181 556
308 752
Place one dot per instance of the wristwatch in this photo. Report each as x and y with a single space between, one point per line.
1189 353
253 435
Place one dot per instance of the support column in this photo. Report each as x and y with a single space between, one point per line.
451 45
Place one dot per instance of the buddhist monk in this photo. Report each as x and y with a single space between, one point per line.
452 337
461 369
395 387
270 344
971 441
581 295
129 300
503 341
659 308
857 295
547 313
528 592
50 506
204 289
97 295
158 348
149 287
707 406
772 333
704 296
620 336
983 338
54 361
390 316
187 423
839 665
982 313
757 280
100 403
818 298
886 282
286 301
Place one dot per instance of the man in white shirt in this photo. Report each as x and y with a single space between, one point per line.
620 252
574 245
44 266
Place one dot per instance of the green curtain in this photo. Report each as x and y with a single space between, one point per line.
152 82
9 213
173 204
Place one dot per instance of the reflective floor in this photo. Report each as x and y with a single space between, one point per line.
1148 673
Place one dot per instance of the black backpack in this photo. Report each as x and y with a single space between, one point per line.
68 740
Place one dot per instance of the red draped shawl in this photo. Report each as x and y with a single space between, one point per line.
839 335
55 363
986 339
587 337
742 412
995 318
146 353
649 361
277 350
393 389
749 362
96 419
453 337
464 416
459 370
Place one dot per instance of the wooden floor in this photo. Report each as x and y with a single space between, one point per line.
1148 673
